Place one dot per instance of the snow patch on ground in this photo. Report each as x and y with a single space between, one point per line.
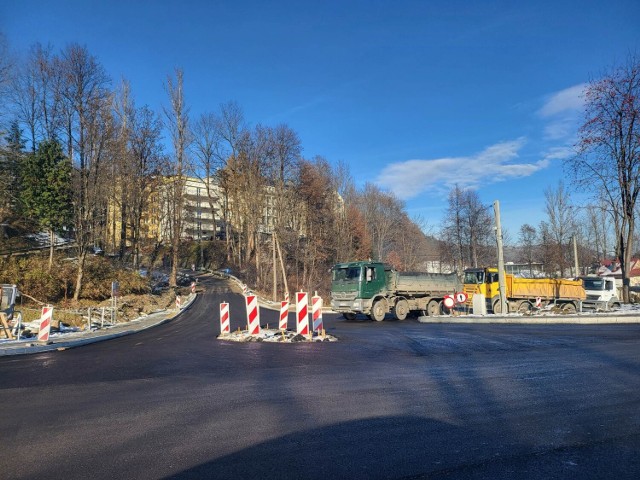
275 336
44 239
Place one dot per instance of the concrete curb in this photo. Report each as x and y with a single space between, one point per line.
607 319
77 339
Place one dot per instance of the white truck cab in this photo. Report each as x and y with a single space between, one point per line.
602 293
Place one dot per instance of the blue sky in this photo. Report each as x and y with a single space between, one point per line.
415 96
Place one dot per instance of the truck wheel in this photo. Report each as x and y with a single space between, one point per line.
525 307
569 308
613 305
379 310
349 316
434 308
402 309
497 307
444 310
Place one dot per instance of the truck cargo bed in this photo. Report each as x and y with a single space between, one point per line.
415 284
546 288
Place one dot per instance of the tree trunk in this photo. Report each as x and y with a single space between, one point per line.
123 230
51 248
284 273
625 264
175 257
80 275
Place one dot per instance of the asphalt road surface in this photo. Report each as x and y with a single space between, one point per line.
388 400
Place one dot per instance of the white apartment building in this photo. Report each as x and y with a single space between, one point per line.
202 209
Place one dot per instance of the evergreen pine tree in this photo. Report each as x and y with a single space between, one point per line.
46 191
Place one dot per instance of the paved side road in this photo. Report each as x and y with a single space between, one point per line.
76 339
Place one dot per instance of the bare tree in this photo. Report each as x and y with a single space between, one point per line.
25 98
208 160
232 130
608 159
89 129
138 168
48 82
478 227
284 153
7 70
528 243
177 116
560 226
382 212
409 245
453 229
467 228
353 238
599 229
316 248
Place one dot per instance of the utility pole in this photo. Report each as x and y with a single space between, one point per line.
275 274
575 256
501 278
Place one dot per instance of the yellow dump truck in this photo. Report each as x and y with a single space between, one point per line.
523 294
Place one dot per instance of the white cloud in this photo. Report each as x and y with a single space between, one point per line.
496 163
565 101
561 111
559 153
414 177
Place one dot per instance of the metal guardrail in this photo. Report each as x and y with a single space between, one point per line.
91 316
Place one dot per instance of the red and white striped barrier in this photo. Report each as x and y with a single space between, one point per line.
178 302
302 313
316 313
286 297
253 315
193 287
225 326
45 323
284 315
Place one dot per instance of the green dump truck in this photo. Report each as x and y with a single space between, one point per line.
375 289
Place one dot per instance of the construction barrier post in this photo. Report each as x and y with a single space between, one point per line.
5 326
45 323
316 313
284 315
253 315
178 302
17 329
224 318
302 313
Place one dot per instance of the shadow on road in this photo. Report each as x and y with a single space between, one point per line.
439 450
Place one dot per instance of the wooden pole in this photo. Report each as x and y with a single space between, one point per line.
275 270
501 277
284 275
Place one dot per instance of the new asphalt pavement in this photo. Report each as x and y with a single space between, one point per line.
387 400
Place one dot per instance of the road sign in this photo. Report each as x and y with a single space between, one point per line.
449 302
461 297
